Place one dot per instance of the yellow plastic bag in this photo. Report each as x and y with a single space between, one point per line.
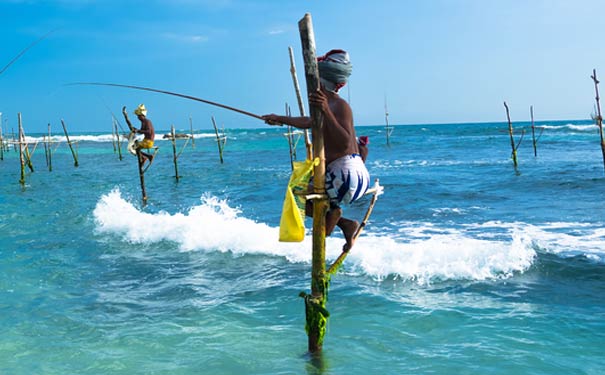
292 223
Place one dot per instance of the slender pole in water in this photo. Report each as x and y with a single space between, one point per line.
386 120
599 117
50 151
218 141
315 303
21 158
141 175
290 140
192 134
73 153
23 143
512 140
113 135
301 106
1 140
175 157
118 142
533 131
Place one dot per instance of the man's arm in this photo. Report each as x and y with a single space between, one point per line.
298 122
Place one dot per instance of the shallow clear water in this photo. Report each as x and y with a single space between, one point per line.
467 265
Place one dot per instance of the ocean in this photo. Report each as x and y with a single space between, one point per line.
468 265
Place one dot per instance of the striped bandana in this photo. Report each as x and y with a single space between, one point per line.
334 69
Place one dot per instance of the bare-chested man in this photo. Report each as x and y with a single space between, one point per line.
347 178
146 129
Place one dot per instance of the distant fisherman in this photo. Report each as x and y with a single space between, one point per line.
347 178
146 129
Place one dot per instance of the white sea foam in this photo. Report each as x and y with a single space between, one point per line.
102 137
426 254
574 127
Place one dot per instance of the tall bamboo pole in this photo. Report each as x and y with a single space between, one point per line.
218 141
533 130
291 139
386 120
599 117
175 156
141 175
21 157
1 140
192 135
118 142
73 153
315 303
512 140
50 151
301 106
113 134
23 143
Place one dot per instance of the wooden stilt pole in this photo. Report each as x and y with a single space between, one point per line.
175 156
73 153
25 147
512 139
192 133
141 175
316 313
50 151
1 140
291 140
533 130
599 118
218 140
386 120
118 141
21 158
113 134
301 106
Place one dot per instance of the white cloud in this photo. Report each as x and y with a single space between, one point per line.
184 38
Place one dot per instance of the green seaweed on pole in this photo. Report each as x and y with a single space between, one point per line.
599 117
69 142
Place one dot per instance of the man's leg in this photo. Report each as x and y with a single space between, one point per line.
348 227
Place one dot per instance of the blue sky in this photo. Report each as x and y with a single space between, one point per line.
435 61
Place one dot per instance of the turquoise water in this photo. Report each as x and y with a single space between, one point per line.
467 265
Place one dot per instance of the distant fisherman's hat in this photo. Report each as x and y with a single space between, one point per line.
334 69
141 110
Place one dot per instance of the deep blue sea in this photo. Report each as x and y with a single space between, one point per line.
467 265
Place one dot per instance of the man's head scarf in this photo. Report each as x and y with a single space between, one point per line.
334 69
141 110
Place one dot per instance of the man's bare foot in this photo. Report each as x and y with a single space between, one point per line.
349 227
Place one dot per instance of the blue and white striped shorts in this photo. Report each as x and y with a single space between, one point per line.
347 179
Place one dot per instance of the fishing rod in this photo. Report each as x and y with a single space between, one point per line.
171 93
26 49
